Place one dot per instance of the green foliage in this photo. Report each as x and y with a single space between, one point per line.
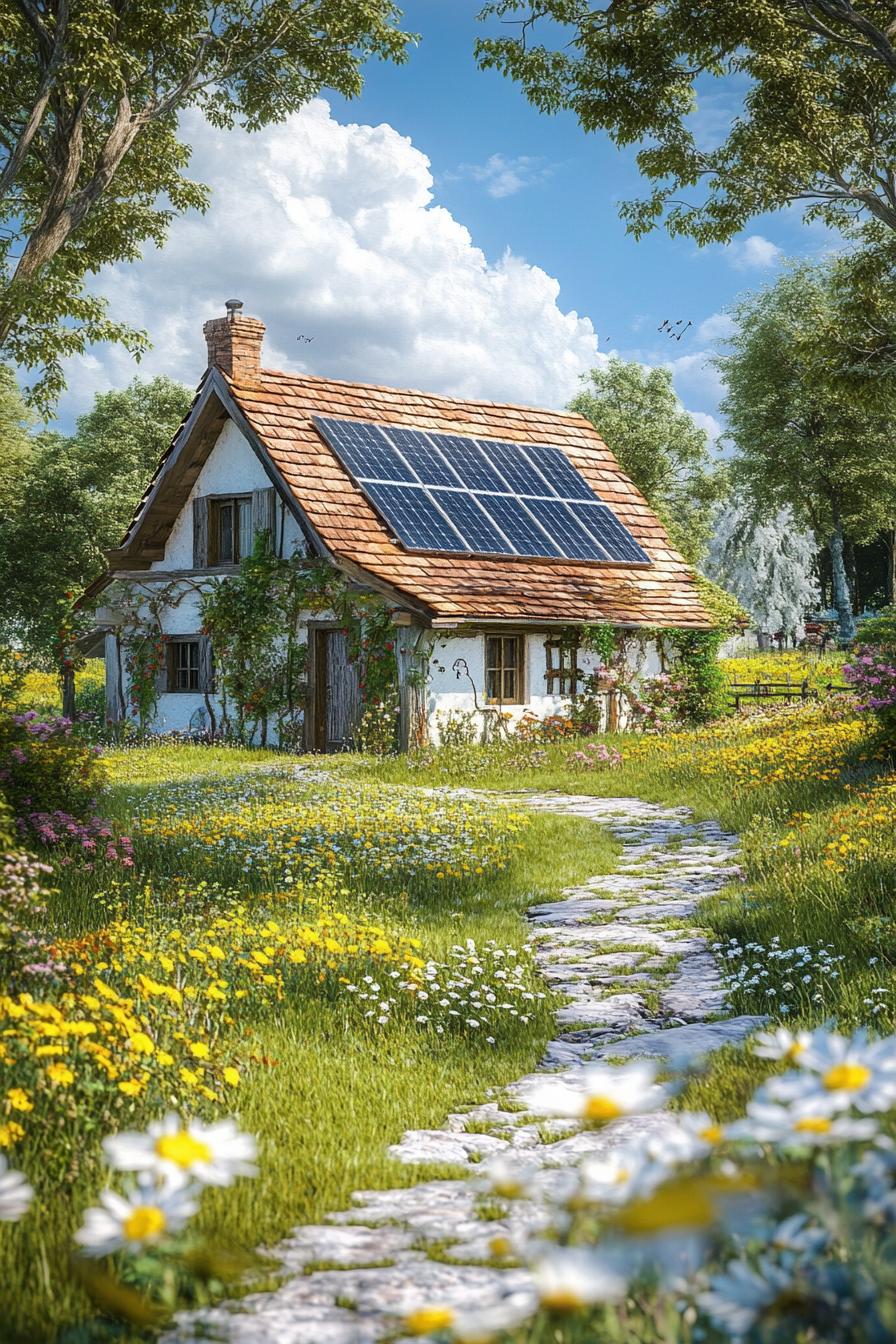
722 606
697 671
44 767
656 442
803 437
71 501
816 122
601 639
880 631
91 163
252 619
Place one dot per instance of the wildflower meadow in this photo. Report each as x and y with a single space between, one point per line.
237 975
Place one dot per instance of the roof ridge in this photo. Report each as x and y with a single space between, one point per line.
566 415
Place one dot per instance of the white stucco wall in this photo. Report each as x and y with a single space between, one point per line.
232 467
447 692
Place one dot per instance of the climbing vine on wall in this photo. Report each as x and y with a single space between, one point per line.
252 620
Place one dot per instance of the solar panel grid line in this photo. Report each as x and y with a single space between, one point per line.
423 457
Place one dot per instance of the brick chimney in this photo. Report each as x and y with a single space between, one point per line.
234 342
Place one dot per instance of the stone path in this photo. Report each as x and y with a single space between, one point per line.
636 984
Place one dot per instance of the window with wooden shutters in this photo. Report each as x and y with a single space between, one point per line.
231 532
200 532
188 665
264 517
504 669
562 666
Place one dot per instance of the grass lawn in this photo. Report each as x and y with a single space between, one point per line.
273 894
265 956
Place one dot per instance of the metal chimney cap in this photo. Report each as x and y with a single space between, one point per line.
233 306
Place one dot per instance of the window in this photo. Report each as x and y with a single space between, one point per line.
561 666
504 669
183 665
231 531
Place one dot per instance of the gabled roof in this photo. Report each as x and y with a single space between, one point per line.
276 410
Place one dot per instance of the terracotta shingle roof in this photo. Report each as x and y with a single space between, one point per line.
279 407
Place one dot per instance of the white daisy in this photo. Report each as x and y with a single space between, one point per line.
736 1300
803 1121
694 1134
508 1177
481 1325
622 1174
795 1236
606 1093
15 1193
147 1214
842 1072
182 1150
781 1044
569 1278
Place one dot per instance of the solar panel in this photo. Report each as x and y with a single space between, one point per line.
413 517
453 493
601 522
557 520
364 450
518 525
470 462
422 457
559 471
515 467
467 515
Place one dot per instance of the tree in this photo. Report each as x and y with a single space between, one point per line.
91 163
769 566
814 79
15 441
802 436
657 443
76 496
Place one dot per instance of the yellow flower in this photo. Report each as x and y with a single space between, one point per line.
131 1087
188 1076
199 1050
19 1099
10 1133
60 1074
231 1076
142 1043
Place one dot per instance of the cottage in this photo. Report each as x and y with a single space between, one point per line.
491 533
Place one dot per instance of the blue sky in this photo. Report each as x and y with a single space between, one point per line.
437 232
566 218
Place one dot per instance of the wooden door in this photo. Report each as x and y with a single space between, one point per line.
337 692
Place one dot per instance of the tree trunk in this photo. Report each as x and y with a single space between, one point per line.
842 599
68 692
891 569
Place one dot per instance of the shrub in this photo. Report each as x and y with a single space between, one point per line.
872 671
44 767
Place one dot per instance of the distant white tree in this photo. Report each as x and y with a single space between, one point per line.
769 567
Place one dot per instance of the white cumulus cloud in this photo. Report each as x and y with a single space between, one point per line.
330 231
502 176
754 253
709 423
716 327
